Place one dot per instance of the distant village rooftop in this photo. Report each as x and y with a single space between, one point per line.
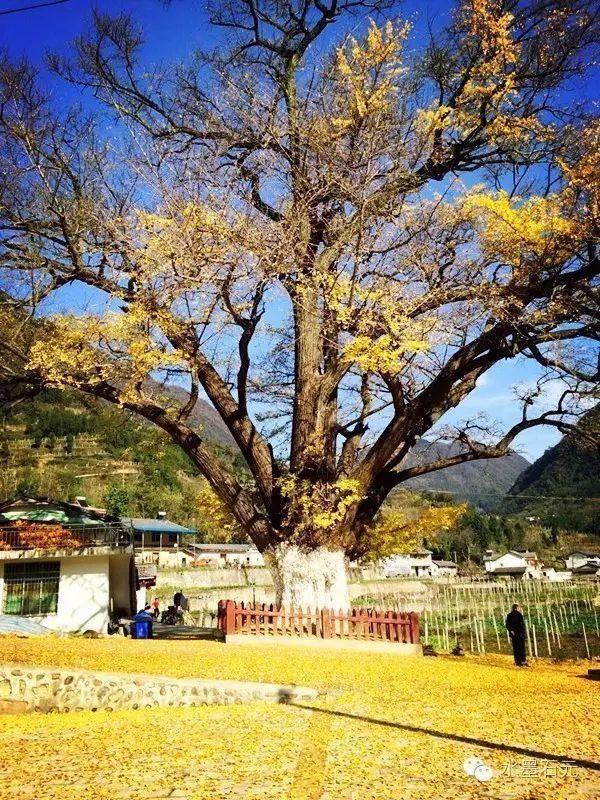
156 525
46 510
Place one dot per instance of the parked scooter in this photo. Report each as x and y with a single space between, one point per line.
172 616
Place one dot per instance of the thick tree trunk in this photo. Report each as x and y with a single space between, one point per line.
303 578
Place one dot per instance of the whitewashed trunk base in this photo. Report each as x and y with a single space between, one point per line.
313 578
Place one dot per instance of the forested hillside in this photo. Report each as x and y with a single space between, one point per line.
563 486
62 444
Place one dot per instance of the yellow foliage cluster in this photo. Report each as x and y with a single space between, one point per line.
394 532
389 727
318 506
383 354
490 84
180 237
583 174
382 334
216 518
364 83
91 349
511 229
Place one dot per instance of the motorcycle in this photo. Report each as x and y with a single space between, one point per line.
172 616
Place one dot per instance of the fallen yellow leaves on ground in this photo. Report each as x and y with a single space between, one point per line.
389 727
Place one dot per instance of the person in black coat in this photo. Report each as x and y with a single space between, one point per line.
515 625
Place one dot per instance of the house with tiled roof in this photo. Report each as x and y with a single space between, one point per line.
63 566
513 564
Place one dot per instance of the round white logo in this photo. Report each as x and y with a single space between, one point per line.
478 769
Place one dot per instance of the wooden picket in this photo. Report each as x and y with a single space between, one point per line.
358 623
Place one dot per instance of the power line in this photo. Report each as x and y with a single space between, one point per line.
32 7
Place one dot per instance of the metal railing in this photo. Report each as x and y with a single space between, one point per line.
48 536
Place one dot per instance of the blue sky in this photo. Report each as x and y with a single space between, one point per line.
171 33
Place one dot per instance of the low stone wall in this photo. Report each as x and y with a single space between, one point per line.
213 578
200 598
45 689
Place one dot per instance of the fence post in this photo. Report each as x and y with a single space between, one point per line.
229 617
414 627
326 623
221 615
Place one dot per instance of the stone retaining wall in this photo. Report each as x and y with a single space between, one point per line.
44 689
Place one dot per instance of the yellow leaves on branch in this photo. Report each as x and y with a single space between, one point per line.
489 86
510 229
182 239
82 350
381 334
393 533
583 173
216 520
383 354
317 506
366 75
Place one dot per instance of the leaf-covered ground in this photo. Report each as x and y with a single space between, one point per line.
390 727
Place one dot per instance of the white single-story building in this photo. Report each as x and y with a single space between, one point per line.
556 576
419 563
80 585
580 558
227 554
445 567
513 564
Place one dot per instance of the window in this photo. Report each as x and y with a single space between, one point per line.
31 588
172 538
156 538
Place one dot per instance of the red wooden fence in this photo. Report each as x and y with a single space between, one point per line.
358 623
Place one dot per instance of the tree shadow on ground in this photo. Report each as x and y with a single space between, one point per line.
455 737
186 632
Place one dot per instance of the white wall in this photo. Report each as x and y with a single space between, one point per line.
83 595
506 561
578 559
251 558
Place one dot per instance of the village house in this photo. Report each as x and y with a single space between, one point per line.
64 567
160 541
588 570
515 564
555 576
581 558
419 563
228 554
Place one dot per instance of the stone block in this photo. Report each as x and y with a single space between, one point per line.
13 706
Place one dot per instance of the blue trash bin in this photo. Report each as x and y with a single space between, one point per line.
141 626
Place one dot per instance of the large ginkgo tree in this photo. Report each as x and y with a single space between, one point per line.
328 226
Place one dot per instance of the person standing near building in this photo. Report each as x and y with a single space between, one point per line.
515 625
156 607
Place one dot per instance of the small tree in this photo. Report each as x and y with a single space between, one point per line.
116 500
332 239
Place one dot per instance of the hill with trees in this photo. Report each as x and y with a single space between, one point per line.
63 444
481 483
563 486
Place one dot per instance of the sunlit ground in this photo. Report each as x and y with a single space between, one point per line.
389 727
